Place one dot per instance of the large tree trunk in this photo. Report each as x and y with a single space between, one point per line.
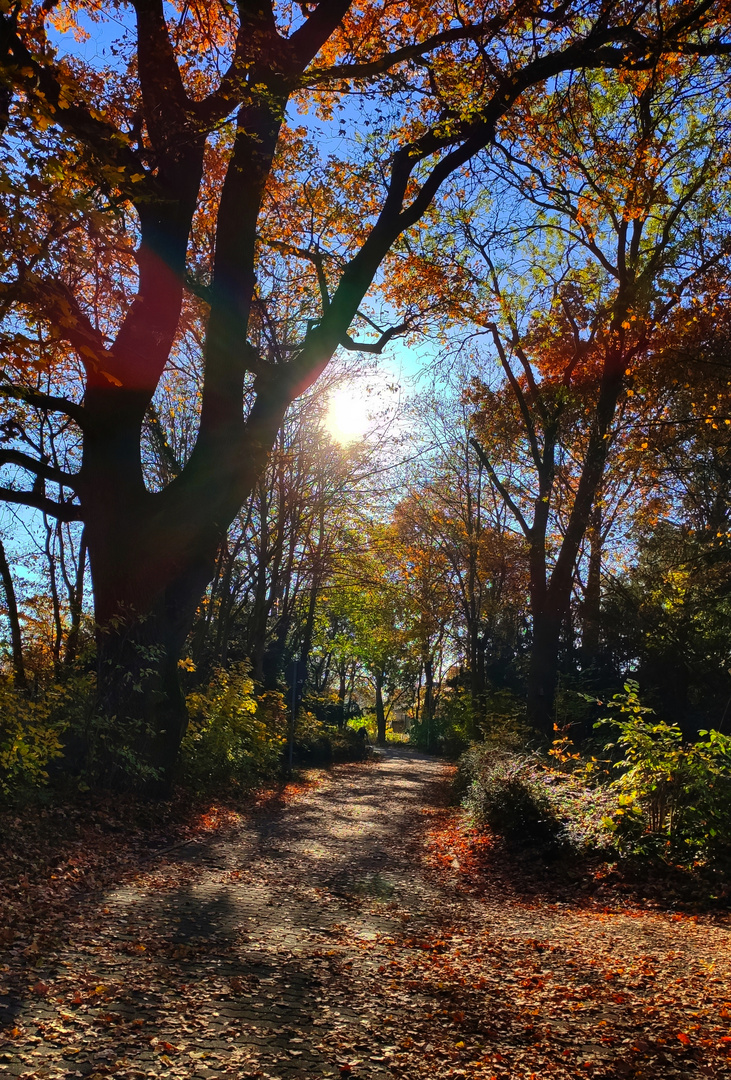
543 670
151 557
139 694
144 611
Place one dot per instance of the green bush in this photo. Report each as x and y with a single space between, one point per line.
670 793
672 798
350 744
317 743
30 738
233 737
450 730
312 739
36 731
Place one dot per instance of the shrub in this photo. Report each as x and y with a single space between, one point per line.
449 731
365 722
36 731
505 793
318 743
670 793
350 745
531 802
672 798
30 738
233 736
312 739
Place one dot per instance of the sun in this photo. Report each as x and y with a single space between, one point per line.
347 418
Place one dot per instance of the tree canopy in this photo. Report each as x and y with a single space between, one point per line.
202 211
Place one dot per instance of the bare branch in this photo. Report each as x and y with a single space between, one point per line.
505 494
46 402
520 396
317 258
42 469
62 511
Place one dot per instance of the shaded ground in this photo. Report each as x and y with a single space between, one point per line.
335 936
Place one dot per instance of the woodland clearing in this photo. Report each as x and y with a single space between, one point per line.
352 926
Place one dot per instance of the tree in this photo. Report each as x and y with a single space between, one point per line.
632 192
373 617
281 548
665 612
142 200
462 533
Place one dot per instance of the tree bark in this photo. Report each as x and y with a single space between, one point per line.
380 711
16 637
429 699
543 670
151 558
77 607
551 594
591 608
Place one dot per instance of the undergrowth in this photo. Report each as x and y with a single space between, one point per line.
648 794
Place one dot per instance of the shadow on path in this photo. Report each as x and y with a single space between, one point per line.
220 959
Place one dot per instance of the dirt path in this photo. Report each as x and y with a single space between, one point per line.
319 940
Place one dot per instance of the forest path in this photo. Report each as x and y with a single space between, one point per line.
322 939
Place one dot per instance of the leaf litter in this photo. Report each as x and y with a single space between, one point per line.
358 927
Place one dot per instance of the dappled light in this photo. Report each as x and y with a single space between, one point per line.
365 539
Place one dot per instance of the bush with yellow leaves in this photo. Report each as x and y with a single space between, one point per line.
233 737
34 730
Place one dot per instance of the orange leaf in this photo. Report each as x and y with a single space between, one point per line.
683 1038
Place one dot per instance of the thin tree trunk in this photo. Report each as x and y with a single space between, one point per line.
55 601
77 604
16 637
380 712
590 611
429 699
341 693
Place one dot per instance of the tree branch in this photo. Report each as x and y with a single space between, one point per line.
519 397
497 483
317 258
374 346
42 469
307 41
63 511
389 61
166 102
41 82
46 402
